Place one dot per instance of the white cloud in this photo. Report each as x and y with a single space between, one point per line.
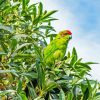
87 48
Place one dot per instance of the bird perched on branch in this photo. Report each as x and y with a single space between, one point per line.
56 50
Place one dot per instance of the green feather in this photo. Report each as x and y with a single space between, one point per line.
56 49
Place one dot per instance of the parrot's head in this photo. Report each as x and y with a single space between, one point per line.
65 34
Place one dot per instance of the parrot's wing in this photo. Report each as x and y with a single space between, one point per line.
58 54
50 49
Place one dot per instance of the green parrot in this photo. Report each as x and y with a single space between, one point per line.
56 50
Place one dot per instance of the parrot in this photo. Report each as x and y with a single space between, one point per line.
55 51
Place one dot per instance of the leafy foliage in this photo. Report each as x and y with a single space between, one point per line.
24 32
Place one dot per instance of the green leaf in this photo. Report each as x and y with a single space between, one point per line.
5 92
94 89
75 92
86 94
40 9
14 72
96 97
4 47
23 96
83 87
2 1
13 44
61 81
47 30
84 65
36 20
73 61
46 27
79 60
49 19
41 74
74 57
30 75
19 36
69 96
27 1
74 52
48 14
88 63
18 55
33 11
62 95
0 19
21 46
6 28
32 92
68 55
24 4
49 86
19 89
89 88
3 53
53 35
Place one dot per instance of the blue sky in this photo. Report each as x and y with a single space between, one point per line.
83 19
87 14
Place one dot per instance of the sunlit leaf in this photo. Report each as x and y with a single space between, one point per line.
23 96
48 14
40 9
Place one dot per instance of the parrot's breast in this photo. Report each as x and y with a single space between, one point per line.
55 50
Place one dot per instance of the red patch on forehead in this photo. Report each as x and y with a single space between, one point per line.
69 32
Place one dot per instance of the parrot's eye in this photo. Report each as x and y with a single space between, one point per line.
63 34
